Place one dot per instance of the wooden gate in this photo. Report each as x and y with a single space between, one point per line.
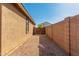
38 31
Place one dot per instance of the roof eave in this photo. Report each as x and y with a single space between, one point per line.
23 11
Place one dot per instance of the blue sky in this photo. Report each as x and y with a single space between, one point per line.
52 12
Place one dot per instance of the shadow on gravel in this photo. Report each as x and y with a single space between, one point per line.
48 48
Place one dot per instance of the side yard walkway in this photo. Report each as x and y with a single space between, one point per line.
39 45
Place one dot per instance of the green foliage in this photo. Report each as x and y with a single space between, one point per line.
40 26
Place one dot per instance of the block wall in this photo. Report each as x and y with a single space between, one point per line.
66 34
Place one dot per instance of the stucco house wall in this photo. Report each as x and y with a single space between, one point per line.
13 29
0 28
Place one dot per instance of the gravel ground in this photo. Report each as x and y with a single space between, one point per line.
39 45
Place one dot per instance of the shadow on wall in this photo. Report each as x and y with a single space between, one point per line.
13 9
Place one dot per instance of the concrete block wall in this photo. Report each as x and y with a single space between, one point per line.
66 34
74 35
61 34
13 29
49 31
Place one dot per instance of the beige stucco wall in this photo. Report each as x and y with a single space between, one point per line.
0 28
13 29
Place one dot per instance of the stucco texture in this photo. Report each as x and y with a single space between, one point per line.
13 29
